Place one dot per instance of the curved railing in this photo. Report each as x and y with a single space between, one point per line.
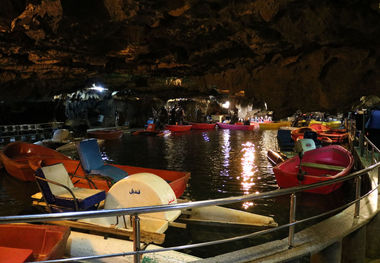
368 147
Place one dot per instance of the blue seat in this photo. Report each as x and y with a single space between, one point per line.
285 141
93 163
314 136
60 194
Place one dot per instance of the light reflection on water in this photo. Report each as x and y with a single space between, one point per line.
249 170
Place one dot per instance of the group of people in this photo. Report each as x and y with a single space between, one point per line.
176 115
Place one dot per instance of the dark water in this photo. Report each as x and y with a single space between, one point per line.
222 163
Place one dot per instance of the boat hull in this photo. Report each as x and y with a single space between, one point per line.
105 134
237 127
178 128
176 179
334 155
335 136
299 132
46 241
148 133
16 156
203 126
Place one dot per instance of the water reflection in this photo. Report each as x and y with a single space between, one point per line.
205 137
225 149
248 170
175 150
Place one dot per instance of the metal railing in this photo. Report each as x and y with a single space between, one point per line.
136 211
27 132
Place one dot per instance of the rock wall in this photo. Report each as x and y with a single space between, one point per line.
292 54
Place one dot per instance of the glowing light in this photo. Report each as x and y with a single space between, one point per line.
97 88
247 205
226 105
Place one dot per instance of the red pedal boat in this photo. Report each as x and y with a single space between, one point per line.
317 165
202 126
178 128
16 156
149 131
335 135
28 242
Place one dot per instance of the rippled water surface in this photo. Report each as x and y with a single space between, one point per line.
222 163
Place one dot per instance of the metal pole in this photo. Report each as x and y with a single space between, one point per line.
362 134
372 155
136 240
292 219
357 195
361 143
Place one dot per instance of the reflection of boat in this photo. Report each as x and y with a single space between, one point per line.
27 242
176 179
16 156
106 134
273 125
178 128
238 126
317 165
202 126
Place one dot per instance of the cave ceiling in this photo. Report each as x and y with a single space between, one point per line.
292 54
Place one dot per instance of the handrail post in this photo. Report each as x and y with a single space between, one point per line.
362 134
361 143
292 219
372 155
136 240
358 182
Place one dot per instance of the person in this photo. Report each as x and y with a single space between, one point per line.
179 113
199 115
162 118
172 115
209 118
116 118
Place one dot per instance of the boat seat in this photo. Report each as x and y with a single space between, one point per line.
323 166
59 191
93 163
